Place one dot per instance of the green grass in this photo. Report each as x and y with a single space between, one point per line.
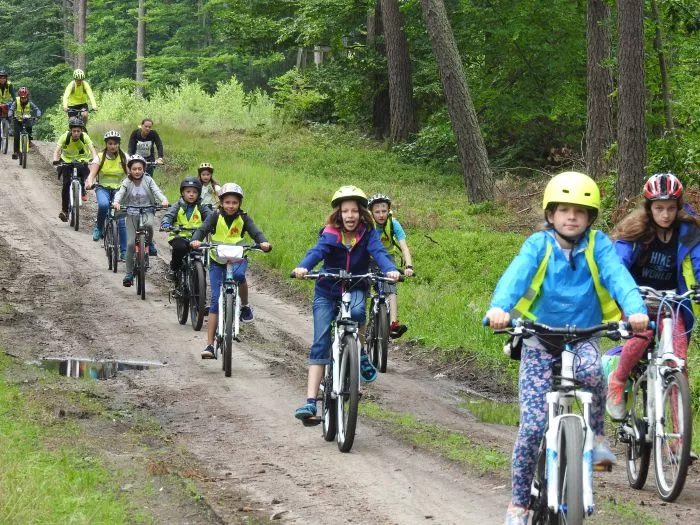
488 411
623 513
453 445
44 478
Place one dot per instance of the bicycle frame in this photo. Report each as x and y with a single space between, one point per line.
343 325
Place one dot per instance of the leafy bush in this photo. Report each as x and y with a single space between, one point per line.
299 100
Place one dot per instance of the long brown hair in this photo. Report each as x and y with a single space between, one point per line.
335 219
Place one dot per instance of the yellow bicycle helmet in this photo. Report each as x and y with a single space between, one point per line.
205 166
572 187
349 192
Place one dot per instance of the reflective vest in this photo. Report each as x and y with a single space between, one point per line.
226 235
22 112
387 236
690 280
6 93
195 221
111 173
608 306
74 149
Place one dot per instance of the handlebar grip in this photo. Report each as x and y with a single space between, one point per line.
292 275
485 321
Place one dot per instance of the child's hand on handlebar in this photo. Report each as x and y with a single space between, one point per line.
164 204
394 276
300 273
498 319
116 206
195 244
265 246
639 322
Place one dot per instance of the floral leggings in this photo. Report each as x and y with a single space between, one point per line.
534 383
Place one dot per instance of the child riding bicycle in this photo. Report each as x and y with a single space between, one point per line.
137 190
187 212
7 93
394 240
210 188
227 225
347 242
22 109
563 275
73 145
659 243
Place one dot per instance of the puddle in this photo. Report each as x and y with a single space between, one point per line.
107 369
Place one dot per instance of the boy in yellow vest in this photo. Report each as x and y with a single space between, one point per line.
188 212
394 240
227 225
22 110
78 98
567 274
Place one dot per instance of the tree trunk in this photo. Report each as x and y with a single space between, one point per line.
631 133
380 103
80 15
140 46
68 31
599 117
403 120
663 68
473 158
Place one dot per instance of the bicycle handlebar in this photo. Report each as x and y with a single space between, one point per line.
347 276
613 328
670 295
247 247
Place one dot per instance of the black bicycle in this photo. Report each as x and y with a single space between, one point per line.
111 239
141 256
377 335
75 201
190 286
4 133
24 141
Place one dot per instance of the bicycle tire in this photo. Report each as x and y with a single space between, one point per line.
229 310
638 453
371 336
141 273
107 243
5 135
541 515
25 143
198 295
676 419
328 406
75 192
382 328
348 393
183 299
570 468
116 248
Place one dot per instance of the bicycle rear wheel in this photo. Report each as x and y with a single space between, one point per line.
183 296
107 243
328 406
638 451
382 327
25 150
5 135
115 245
348 393
198 295
672 448
229 312
570 471
75 205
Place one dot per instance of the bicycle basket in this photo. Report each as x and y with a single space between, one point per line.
230 252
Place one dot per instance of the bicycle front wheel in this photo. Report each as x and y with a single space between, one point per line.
107 243
229 312
348 393
638 447
25 150
198 295
672 446
382 327
570 471
183 296
5 135
75 205
329 409
141 271
115 245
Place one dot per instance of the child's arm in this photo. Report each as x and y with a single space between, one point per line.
254 232
615 277
116 202
66 94
170 217
157 193
407 258
207 227
88 92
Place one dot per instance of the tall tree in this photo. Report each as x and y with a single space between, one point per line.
473 158
663 68
140 46
79 22
403 120
599 115
631 133
381 115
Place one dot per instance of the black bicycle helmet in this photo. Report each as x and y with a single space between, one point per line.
190 182
75 122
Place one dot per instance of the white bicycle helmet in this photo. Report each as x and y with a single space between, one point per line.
113 134
231 187
136 158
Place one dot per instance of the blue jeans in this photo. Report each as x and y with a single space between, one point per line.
104 200
325 311
217 273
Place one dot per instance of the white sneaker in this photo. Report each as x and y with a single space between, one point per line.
602 455
615 402
517 515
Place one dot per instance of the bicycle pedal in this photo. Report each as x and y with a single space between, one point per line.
311 421
237 339
602 468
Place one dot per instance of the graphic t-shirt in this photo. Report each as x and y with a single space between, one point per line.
660 270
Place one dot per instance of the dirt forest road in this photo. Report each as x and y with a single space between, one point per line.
241 430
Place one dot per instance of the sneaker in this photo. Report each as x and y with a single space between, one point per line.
122 256
693 457
602 455
397 330
367 371
128 279
152 250
305 411
85 197
208 352
15 156
517 515
615 403
63 216
96 234
247 314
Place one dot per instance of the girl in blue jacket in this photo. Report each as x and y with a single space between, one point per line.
568 294
660 244
346 242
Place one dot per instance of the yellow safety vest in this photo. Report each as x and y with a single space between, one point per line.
6 93
74 149
608 306
111 174
226 235
195 221
690 280
22 112
387 236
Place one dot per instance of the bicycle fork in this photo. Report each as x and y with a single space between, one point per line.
222 298
342 326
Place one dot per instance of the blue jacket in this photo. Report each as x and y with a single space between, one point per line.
336 256
567 296
688 245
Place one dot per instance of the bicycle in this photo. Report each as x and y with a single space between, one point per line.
82 114
141 257
340 386
4 133
75 201
191 286
659 415
562 489
111 239
24 141
228 327
377 335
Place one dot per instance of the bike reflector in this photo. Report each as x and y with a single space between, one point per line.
230 252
